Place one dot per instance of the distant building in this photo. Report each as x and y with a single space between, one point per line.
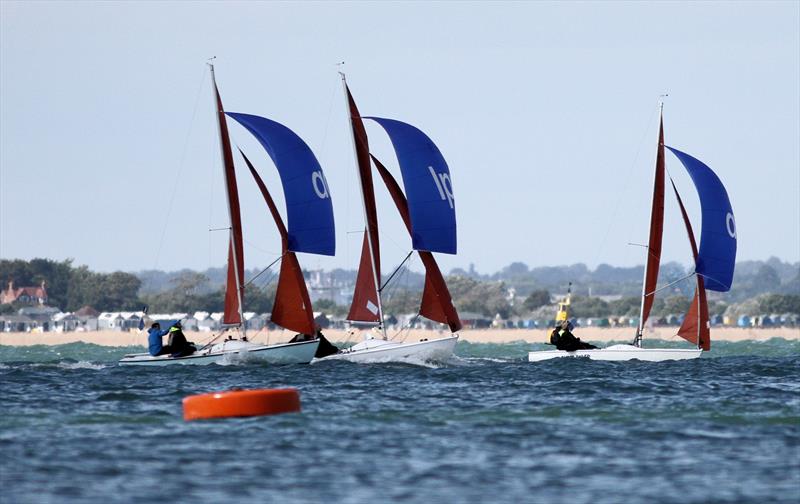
16 323
24 295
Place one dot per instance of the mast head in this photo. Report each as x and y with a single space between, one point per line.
661 101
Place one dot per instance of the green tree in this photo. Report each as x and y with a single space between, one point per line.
589 307
779 303
401 301
329 307
118 291
259 300
488 299
536 299
83 289
675 305
627 306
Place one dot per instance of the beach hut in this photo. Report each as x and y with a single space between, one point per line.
66 322
16 323
110 321
474 320
204 321
743 321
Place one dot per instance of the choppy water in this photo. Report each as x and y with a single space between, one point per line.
487 427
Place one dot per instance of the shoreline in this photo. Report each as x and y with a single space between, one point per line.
497 336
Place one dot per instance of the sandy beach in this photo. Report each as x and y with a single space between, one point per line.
603 335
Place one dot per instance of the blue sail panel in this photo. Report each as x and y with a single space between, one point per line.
428 186
308 200
717 256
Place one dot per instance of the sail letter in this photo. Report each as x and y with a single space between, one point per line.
426 179
717 256
436 302
308 202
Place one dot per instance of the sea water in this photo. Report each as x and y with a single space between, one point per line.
485 427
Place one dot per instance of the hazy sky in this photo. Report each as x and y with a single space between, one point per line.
545 112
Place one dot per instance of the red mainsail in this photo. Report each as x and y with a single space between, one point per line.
366 302
436 303
695 323
656 232
292 306
234 290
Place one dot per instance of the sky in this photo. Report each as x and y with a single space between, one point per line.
546 113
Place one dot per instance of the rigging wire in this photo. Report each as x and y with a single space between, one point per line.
181 166
263 271
624 190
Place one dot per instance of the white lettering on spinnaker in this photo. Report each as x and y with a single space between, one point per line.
730 223
320 184
443 185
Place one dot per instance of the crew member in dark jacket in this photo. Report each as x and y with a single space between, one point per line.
563 339
177 342
177 347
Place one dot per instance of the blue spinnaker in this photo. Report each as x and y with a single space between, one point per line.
717 256
426 179
308 201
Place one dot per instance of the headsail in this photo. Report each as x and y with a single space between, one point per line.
235 279
717 256
695 324
656 233
308 202
292 307
366 305
436 303
426 178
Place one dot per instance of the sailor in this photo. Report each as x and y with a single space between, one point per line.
325 347
178 345
563 339
154 345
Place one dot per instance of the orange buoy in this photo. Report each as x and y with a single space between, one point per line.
241 403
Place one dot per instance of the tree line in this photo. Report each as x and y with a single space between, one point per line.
71 287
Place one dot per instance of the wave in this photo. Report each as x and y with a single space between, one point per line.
91 356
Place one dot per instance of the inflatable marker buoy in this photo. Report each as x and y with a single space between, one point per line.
241 403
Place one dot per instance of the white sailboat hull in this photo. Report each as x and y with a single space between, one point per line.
374 350
227 351
620 353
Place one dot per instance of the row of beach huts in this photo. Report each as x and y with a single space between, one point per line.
47 319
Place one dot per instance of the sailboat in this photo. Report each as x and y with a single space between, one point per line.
429 216
714 263
311 230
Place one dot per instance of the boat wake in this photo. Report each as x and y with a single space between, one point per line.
410 360
470 361
81 365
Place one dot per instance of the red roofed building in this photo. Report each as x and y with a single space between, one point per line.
24 295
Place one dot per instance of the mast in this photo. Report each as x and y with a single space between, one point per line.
368 231
235 237
656 231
